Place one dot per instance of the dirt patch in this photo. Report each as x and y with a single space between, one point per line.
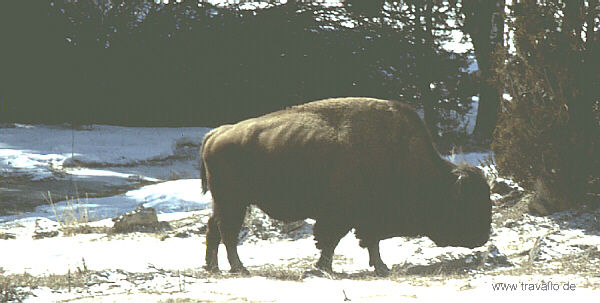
80 229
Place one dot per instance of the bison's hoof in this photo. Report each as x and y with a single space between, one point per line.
212 268
240 270
324 266
382 270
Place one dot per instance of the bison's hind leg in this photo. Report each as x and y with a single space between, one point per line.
213 239
328 234
230 216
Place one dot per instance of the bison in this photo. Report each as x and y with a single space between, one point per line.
359 163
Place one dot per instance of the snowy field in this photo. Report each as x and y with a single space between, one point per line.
104 162
66 250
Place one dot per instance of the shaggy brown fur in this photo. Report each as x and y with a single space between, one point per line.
348 163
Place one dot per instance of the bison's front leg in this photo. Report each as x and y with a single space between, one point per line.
375 260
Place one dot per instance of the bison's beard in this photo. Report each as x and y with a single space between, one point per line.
462 235
463 231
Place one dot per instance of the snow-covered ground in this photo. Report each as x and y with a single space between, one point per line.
103 266
156 267
96 165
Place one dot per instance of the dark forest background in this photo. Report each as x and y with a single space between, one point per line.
193 63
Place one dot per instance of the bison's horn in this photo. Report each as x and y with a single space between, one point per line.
458 186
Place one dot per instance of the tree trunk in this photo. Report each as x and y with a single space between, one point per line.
585 138
484 22
424 66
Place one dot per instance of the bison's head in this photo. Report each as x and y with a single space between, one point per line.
464 216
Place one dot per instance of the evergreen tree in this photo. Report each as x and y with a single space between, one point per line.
548 136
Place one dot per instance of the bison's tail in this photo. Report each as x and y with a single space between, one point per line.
203 176
203 165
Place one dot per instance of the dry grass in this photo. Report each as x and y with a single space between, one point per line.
279 273
72 213
73 230
584 264
74 217
11 292
17 287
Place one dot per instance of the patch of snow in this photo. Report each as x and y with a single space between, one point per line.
172 196
455 44
475 158
87 172
16 162
473 66
41 150
471 115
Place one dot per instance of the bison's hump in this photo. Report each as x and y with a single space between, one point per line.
357 125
